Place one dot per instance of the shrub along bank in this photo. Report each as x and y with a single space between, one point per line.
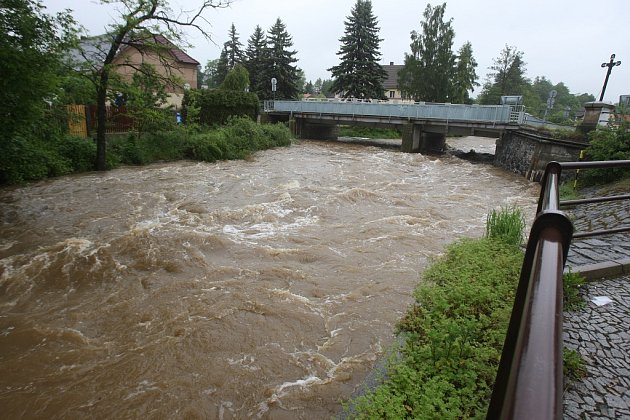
54 153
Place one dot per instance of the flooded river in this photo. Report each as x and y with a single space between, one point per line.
264 288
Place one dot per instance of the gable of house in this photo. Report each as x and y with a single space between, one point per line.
390 85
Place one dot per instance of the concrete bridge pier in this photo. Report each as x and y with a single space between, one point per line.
418 139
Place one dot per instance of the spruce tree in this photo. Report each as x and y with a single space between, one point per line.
428 71
255 61
231 55
280 63
233 48
359 74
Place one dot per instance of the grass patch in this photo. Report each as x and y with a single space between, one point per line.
507 225
573 366
369 132
572 293
454 333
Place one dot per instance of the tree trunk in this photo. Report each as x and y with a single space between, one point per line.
101 120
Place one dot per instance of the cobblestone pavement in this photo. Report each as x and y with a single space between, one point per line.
601 333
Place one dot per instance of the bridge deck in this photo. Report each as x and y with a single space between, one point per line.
448 113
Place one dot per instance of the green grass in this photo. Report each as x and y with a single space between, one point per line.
506 225
571 289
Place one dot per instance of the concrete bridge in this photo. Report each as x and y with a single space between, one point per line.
424 125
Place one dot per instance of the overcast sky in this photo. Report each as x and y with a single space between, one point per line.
564 40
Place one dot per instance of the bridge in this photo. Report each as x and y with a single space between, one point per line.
424 125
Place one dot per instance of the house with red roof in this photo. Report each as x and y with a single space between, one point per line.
156 50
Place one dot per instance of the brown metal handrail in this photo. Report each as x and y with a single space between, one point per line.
529 379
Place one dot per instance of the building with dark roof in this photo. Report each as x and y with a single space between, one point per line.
392 91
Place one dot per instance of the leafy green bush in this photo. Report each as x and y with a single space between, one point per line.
30 159
608 144
207 147
216 106
454 333
506 225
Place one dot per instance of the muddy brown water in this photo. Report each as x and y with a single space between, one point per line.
264 288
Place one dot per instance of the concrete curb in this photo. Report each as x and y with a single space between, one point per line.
603 270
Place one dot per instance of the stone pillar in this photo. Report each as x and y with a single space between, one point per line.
411 136
596 114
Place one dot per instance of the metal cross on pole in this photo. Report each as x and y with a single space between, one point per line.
610 65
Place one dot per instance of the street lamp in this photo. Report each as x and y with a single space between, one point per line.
610 65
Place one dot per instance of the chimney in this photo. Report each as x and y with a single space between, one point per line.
391 63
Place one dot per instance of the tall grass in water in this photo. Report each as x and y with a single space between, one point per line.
507 225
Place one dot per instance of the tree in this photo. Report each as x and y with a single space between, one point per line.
279 63
465 77
309 88
359 74
137 21
429 69
233 48
255 59
507 77
236 79
32 45
223 67
210 74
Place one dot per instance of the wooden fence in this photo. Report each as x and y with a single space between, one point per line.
82 120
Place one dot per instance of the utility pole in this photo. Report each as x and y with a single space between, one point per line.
610 65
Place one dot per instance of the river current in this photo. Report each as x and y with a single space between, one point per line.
265 288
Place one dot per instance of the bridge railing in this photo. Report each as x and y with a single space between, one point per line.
529 381
503 114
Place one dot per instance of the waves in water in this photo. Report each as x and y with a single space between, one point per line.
265 288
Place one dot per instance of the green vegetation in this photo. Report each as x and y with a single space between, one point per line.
573 366
507 77
368 132
359 74
236 140
571 284
506 225
59 154
216 106
453 332
612 143
432 72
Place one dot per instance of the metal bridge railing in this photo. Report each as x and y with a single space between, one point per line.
501 114
529 380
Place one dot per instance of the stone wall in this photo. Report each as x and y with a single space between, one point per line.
528 153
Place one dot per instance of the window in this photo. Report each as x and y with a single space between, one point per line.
392 94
